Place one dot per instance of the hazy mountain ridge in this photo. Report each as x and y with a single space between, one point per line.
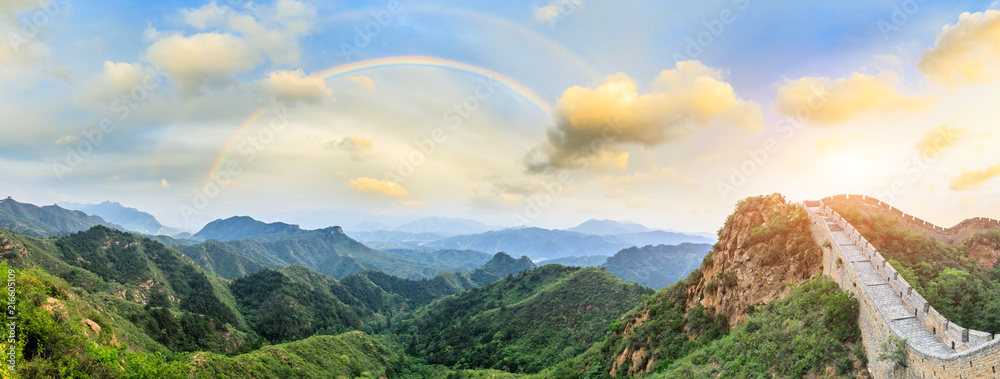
657 266
130 218
46 221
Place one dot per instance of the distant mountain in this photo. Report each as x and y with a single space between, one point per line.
247 228
535 242
608 227
367 226
47 221
447 259
584 261
328 251
657 266
445 225
412 239
130 218
417 293
659 237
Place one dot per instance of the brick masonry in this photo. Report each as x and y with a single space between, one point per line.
937 347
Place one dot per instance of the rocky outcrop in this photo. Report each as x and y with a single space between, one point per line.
764 246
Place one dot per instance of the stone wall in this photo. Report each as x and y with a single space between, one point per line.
973 354
952 235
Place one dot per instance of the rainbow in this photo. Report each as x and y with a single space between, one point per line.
221 159
420 61
401 61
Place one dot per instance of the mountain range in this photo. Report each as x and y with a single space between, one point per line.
46 221
130 218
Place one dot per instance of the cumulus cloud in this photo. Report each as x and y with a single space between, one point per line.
593 126
824 101
967 52
377 186
186 59
974 179
938 139
294 86
115 79
272 29
234 41
164 183
363 81
555 8
353 146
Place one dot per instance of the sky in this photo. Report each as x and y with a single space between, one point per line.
517 113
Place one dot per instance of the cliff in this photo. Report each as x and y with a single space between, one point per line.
765 245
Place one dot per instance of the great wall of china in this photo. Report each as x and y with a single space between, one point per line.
937 347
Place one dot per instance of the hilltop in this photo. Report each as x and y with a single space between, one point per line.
46 221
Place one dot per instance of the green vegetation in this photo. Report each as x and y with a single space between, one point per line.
524 323
327 251
657 266
958 287
893 351
282 308
47 221
812 328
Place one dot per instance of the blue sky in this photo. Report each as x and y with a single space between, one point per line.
894 74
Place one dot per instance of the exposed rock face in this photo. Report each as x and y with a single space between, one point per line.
765 245
751 267
985 251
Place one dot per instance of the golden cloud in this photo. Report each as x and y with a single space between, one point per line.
202 58
973 179
967 52
376 186
294 86
593 125
821 100
938 139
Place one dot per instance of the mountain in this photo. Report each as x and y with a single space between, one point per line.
46 221
417 293
130 218
524 323
412 239
659 237
294 303
756 278
445 225
448 259
535 242
368 226
657 266
221 259
608 227
246 228
584 261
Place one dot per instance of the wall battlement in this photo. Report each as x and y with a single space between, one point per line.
954 234
938 348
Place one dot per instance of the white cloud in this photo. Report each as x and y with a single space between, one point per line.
184 58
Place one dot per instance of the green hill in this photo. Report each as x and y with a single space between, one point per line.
45 221
523 323
246 228
328 251
657 266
